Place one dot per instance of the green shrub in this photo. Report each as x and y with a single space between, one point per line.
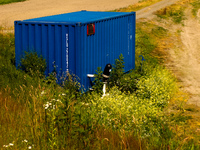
117 72
120 111
71 84
33 64
129 81
98 81
157 86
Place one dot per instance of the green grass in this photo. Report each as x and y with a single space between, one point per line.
138 6
175 12
196 7
2 2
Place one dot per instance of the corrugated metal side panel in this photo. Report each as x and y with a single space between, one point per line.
112 37
53 41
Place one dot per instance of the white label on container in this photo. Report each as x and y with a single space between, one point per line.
67 52
129 36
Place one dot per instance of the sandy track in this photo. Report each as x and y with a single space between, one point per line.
186 58
38 8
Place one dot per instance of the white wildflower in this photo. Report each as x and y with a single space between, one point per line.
30 147
11 144
58 100
63 94
5 145
25 141
46 106
42 93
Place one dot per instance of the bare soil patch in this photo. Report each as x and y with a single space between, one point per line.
186 57
38 8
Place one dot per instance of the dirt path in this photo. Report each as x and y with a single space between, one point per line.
186 57
38 8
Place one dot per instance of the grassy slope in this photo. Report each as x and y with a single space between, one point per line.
188 115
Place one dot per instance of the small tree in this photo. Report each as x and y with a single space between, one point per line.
98 81
117 71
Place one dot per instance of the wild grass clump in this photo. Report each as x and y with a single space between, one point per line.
196 7
138 6
176 12
2 2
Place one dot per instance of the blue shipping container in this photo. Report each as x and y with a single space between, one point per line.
78 42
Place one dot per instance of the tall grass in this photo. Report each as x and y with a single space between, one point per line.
176 11
138 6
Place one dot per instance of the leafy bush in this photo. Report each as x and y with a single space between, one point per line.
129 81
33 64
120 111
117 72
98 81
71 84
158 86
